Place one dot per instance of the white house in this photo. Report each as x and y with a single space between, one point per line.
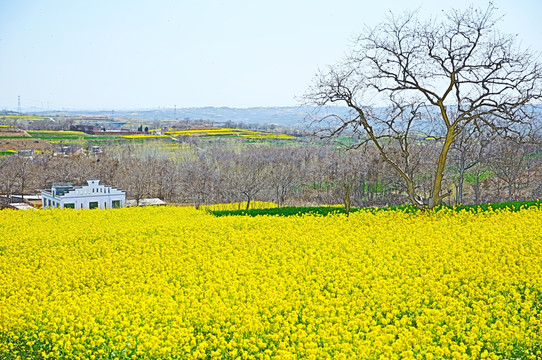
90 196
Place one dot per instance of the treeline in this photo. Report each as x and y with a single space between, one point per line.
287 174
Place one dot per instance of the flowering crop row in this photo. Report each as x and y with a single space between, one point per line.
57 132
251 134
144 136
178 283
240 206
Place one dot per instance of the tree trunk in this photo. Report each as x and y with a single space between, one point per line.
347 202
248 202
435 196
22 189
510 190
461 179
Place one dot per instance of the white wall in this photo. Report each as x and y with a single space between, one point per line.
83 197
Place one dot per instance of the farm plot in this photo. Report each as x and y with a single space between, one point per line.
230 133
176 283
53 135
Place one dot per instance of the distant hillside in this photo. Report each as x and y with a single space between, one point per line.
282 116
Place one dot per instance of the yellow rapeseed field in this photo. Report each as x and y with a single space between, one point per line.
178 283
251 134
240 206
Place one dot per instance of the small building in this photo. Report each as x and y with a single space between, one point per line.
146 202
86 128
32 200
90 196
21 206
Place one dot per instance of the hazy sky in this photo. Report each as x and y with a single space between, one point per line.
114 54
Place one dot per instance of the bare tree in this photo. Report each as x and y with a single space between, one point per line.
432 78
8 175
510 163
43 163
66 169
24 167
478 176
136 176
166 178
468 151
349 178
247 174
105 168
198 181
284 172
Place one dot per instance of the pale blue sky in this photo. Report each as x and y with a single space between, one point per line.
114 54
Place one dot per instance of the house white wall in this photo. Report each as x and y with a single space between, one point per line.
88 196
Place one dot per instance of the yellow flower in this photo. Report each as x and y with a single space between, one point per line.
186 284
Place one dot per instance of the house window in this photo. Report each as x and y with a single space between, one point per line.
115 204
93 205
49 200
69 206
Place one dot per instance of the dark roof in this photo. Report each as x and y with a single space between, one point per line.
62 188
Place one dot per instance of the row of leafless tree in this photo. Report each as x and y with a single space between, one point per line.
480 170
